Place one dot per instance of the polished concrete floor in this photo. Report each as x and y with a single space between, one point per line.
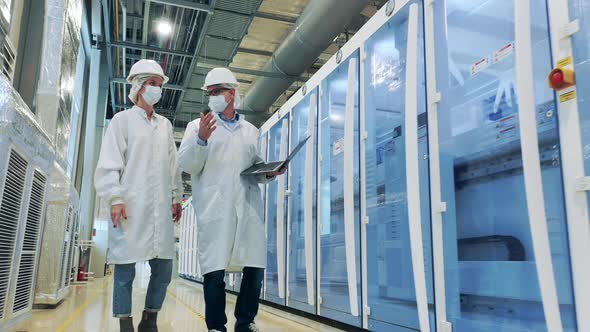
88 308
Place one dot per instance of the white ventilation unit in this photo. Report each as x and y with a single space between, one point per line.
59 237
10 208
26 158
7 54
69 247
29 251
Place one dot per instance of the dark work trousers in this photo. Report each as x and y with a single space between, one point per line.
246 306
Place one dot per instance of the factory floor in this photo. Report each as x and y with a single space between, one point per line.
88 308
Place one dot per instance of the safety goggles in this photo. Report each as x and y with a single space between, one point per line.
215 92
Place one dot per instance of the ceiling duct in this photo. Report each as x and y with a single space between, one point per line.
316 28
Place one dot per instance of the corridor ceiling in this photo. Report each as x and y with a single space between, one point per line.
239 34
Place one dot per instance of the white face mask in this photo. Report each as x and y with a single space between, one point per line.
152 94
217 103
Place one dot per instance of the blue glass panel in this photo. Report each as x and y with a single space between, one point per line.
491 276
391 292
580 9
272 274
333 273
298 281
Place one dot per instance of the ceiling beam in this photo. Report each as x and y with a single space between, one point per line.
254 51
122 80
147 48
222 38
276 17
268 16
253 72
185 4
146 21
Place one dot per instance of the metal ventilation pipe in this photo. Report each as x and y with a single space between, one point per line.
316 28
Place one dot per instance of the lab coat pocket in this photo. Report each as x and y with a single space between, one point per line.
255 206
208 202
131 204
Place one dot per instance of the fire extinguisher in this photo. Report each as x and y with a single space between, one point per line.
81 273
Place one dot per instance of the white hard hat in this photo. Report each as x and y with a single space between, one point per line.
220 76
146 67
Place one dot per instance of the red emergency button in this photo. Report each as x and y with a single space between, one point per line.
561 78
557 78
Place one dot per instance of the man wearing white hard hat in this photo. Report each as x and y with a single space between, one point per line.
230 227
138 176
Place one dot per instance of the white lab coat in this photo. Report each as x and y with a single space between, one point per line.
138 166
228 207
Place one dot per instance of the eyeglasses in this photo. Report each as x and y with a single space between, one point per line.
215 92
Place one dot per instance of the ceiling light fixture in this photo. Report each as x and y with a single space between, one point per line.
164 28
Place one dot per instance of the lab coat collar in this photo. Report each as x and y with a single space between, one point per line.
227 125
234 119
143 114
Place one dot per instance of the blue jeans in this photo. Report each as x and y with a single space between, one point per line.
246 305
156 292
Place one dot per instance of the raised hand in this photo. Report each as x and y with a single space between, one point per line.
206 126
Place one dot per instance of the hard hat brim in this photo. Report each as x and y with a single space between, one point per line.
164 78
235 86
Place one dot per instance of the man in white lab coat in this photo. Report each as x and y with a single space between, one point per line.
230 227
138 175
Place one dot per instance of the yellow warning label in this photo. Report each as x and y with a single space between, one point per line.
564 62
567 96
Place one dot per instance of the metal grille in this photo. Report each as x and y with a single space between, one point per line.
73 240
240 6
7 56
64 254
10 207
24 282
228 25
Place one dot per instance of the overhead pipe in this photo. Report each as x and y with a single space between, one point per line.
316 28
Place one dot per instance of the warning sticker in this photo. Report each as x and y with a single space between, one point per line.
567 96
479 66
502 53
564 62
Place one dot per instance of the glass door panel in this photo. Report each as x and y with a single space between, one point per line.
302 240
391 289
580 10
340 232
275 257
491 273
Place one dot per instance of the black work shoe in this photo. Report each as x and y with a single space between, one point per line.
126 324
148 322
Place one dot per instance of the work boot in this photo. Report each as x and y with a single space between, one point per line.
148 322
126 324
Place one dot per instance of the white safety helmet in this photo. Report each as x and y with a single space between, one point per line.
146 67
220 76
